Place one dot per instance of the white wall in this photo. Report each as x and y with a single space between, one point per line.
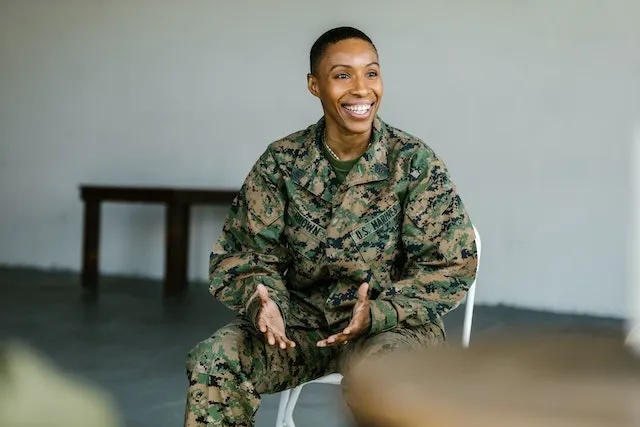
531 103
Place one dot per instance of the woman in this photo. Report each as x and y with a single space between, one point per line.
347 238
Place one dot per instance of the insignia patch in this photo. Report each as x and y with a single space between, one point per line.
307 224
380 168
374 225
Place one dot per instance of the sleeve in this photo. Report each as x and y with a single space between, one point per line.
440 249
250 249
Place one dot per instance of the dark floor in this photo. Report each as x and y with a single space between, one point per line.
133 343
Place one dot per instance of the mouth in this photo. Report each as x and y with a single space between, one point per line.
361 110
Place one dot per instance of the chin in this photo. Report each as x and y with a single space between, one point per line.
359 125
359 128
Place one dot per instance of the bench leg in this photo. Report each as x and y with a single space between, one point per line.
177 249
90 245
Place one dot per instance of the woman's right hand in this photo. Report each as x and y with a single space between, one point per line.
270 321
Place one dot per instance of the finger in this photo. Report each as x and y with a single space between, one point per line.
332 340
284 342
280 342
350 328
271 339
279 337
328 341
263 293
363 292
288 342
340 339
262 326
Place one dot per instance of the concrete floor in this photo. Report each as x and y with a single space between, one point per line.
133 343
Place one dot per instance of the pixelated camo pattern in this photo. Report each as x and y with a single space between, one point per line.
229 371
396 222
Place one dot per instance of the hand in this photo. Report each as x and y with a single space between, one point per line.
360 321
270 321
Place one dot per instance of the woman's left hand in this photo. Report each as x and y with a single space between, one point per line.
360 321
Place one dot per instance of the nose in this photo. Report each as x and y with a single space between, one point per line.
360 86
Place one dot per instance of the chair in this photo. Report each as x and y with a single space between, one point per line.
289 398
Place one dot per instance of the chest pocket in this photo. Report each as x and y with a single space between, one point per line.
379 240
306 241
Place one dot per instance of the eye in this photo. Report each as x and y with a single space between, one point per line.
341 76
372 74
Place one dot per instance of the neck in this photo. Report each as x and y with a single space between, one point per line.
347 147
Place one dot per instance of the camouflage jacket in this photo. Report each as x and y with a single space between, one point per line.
395 222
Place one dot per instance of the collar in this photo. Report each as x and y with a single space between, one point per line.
314 172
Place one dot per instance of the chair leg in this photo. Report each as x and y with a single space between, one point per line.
282 407
468 316
291 405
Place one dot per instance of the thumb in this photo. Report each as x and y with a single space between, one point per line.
263 293
363 292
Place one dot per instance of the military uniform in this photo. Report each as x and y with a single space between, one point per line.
312 232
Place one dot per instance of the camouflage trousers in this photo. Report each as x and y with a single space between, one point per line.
229 371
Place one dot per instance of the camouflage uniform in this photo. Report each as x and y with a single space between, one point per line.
395 222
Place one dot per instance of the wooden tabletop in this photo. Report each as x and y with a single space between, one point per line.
157 194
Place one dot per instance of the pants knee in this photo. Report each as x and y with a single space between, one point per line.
198 357
214 355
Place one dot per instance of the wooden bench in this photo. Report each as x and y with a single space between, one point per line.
177 201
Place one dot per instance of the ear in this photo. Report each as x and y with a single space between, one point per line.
312 85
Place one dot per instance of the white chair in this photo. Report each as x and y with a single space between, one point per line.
289 398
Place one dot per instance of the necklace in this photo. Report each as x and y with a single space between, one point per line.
334 155
324 141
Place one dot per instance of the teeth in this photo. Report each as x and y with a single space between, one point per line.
358 109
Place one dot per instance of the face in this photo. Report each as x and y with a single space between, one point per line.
349 86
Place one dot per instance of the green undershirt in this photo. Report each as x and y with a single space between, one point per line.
340 167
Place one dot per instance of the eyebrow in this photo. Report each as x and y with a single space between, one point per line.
349 66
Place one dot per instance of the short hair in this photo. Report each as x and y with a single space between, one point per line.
331 37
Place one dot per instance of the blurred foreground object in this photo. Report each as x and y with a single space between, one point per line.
633 262
33 392
539 380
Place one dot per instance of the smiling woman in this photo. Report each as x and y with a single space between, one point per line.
347 239
346 78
